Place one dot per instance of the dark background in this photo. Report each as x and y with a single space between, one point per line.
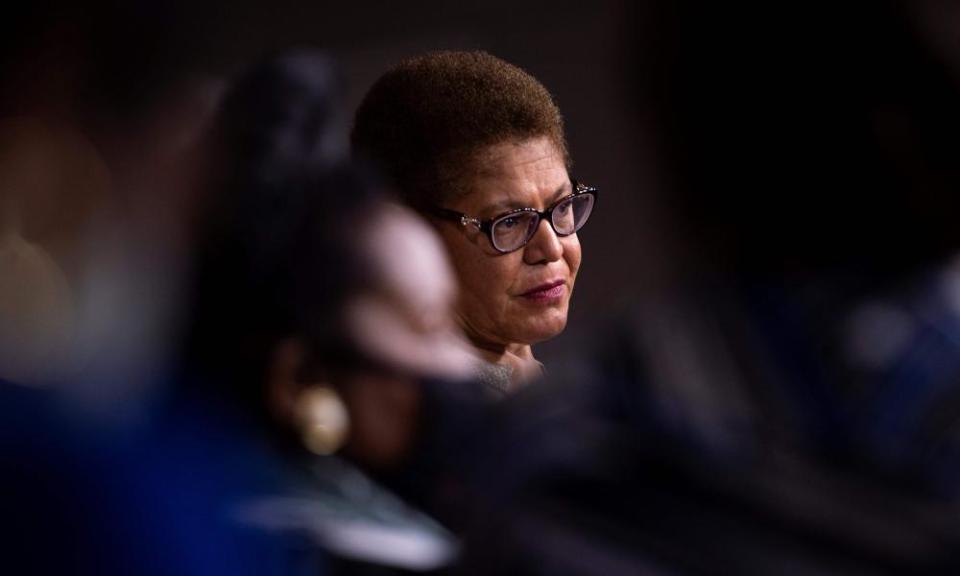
735 136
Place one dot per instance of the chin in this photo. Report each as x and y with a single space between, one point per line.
547 329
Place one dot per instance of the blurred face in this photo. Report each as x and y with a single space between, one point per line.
403 322
406 322
406 318
521 297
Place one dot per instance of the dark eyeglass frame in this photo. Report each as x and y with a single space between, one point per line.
486 226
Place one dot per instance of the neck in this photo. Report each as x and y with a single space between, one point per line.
518 356
498 353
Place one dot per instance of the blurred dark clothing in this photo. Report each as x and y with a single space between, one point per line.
84 497
748 428
324 514
194 489
399 520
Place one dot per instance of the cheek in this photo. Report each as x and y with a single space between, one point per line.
383 411
572 254
490 279
482 276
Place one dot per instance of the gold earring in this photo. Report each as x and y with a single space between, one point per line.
323 420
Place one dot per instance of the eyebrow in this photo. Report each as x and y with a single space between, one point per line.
507 205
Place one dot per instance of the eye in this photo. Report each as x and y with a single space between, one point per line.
508 222
564 208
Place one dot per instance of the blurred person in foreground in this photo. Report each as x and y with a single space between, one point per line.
321 331
476 145
791 405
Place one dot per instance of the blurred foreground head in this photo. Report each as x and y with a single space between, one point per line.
299 283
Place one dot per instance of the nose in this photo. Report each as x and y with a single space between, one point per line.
544 247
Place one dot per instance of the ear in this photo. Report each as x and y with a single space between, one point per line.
283 384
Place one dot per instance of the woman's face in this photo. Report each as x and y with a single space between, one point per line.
521 297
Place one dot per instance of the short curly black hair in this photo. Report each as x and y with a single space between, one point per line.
424 121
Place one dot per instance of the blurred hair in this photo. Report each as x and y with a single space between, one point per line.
279 116
424 121
275 257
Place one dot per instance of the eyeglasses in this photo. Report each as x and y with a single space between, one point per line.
513 230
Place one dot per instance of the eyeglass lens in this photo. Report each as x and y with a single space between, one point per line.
513 231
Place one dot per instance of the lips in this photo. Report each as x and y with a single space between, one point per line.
545 292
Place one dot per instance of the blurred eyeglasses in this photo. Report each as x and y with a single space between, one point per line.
514 229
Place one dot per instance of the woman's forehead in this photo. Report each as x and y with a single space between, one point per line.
530 171
516 156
